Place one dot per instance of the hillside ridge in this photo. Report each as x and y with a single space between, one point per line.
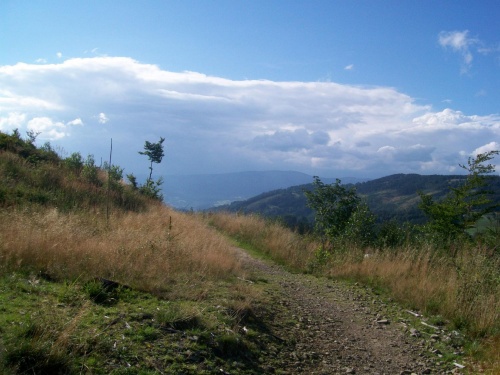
204 191
389 197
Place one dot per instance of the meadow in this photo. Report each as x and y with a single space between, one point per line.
95 277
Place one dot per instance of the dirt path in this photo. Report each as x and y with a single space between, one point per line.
327 327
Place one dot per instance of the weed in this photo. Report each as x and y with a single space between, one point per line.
179 316
144 334
100 293
229 346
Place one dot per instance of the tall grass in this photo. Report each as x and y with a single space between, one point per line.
148 250
270 238
24 183
464 289
52 221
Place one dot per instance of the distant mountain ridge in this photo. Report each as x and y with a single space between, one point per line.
204 191
391 197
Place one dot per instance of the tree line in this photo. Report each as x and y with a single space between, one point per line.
342 217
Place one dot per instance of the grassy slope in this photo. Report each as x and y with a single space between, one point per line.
177 305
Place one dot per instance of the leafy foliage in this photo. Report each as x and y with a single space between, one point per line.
464 205
340 212
74 161
26 148
154 152
151 189
360 226
91 172
115 176
38 176
334 204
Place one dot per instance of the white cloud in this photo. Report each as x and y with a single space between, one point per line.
459 42
13 121
47 128
50 129
349 67
103 118
214 124
449 119
77 121
480 93
492 146
59 55
10 101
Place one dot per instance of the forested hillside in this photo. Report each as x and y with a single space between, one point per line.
392 197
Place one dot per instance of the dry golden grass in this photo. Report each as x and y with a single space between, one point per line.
273 239
461 289
148 250
492 364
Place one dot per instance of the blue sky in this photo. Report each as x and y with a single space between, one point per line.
334 88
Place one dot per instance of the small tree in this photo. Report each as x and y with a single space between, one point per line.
333 204
340 212
133 181
90 171
154 151
465 204
115 175
75 162
152 189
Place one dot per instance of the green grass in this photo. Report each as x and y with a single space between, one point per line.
49 327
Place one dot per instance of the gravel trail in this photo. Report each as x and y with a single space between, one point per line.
326 327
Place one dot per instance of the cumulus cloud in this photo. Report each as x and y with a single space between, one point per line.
50 129
449 119
413 153
215 124
492 146
12 121
47 128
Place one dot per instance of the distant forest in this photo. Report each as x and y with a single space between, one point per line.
390 198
